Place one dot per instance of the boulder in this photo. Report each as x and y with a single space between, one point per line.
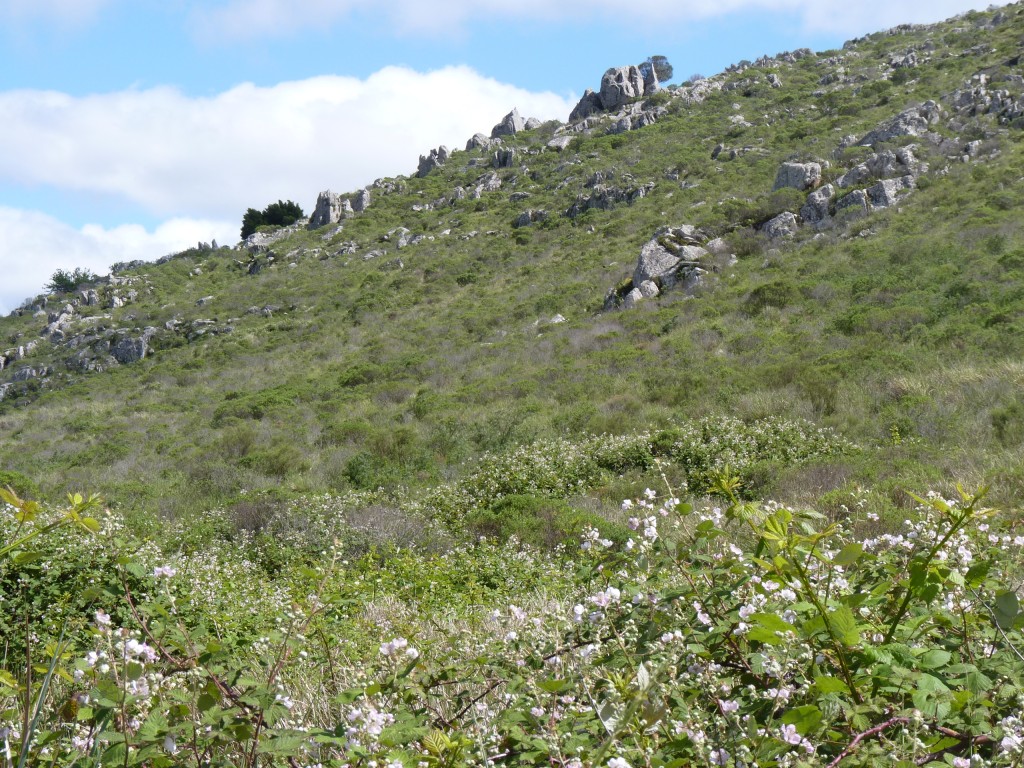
589 105
504 158
799 176
526 218
662 256
559 143
532 124
510 125
857 203
911 122
888 192
330 209
480 141
783 225
361 201
621 85
435 159
816 209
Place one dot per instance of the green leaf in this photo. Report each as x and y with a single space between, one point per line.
934 658
844 625
826 684
849 555
554 685
1007 609
805 718
771 621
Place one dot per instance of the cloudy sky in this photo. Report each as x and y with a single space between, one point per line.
135 128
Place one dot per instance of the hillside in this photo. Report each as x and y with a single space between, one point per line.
799 280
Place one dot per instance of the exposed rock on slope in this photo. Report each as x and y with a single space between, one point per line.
675 256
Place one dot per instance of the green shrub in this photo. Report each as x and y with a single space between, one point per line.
540 521
63 281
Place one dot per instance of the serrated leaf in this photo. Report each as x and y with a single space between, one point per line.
934 658
849 554
805 718
826 684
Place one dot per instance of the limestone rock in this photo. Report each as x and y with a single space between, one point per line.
816 209
589 105
888 192
799 176
911 122
532 124
481 141
504 157
526 218
621 85
559 143
329 209
510 125
361 201
783 225
435 159
857 203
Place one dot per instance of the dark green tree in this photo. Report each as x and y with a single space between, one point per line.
65 282
279 214
660 64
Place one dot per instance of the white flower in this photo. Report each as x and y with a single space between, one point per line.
170 746
729 706
164 571
102 619
392 647
618 762
719 757
789 734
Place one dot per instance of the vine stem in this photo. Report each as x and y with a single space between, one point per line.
867 734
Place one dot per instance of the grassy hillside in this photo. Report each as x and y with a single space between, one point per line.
419 423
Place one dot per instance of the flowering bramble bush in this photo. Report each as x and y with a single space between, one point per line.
733 635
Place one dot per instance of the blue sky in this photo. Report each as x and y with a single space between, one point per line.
134 128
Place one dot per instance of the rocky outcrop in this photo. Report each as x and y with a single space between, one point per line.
856 203
605 198
978 98
801 176
559 143
881 165
330 209
783 225
504 158
526 218
362 200
510 125
589 105
639 118
888 192
435 159
915 121
490 182
816 211
481 141
674 257
132 349
621 85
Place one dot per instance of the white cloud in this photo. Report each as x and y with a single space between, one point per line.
34 245
176 155
241 19
211 158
